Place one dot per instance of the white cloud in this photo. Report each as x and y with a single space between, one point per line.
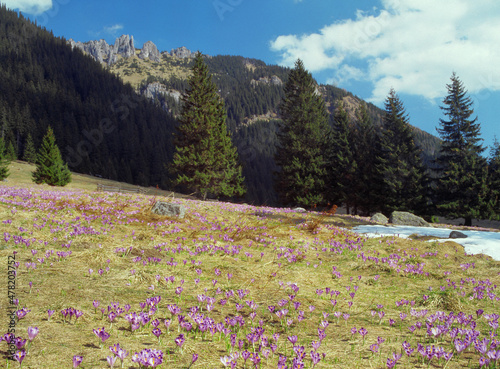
108 31
411 45
112 30
35 7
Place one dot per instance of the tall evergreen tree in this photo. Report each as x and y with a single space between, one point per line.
302 142
402 185
10 152
343 166
29 150
494 179
462 182
205 159
365 143
50 168
4 162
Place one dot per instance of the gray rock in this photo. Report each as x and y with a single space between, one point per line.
168 209
274 80
182 53
379 218
405 218
299 210
104 53
457 234
99 50
124 46
150 51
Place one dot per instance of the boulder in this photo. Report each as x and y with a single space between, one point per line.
457 234
168 209
408 219
379 218
299 210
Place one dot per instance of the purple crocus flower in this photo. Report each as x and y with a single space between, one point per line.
77 360
179 341
19 356
32 333
19 342
157 332
390 363
292 339
111 361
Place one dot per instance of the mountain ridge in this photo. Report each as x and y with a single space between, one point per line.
252 91
82 100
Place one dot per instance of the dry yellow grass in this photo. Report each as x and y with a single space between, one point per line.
297 250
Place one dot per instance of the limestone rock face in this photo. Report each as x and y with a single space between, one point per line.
409 219
99 50
379 218
150 51
273 80
182 53
124 46
457 234
169 209
104 53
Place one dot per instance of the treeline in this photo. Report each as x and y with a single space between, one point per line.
256 138
104 128
370 170
101 125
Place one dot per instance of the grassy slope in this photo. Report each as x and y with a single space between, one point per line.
276 248
134 70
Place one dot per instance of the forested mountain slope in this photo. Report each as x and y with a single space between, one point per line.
104 127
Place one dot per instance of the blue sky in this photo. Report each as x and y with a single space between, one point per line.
364 46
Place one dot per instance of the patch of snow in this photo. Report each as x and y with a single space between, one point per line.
477 242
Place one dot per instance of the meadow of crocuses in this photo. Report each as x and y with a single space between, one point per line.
100 282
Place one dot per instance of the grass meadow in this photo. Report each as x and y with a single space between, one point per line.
102 282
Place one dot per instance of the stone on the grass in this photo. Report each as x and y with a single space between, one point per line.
407 219
168 209
457 234
299 210
379 218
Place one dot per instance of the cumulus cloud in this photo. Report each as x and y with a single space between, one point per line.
410 45
34 7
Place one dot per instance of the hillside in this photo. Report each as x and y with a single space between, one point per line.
98 275
252 91
88 94
101 125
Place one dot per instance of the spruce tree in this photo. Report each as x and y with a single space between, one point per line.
10 152
302 142
494 179
364 143
343 166
4 161
402 185
29 150
462 171
50 168
205 159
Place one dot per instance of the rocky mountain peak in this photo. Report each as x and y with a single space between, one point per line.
182 53
150 51
124 46
103 52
